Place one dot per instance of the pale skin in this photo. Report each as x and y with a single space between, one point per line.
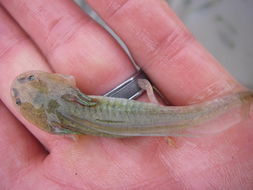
72 44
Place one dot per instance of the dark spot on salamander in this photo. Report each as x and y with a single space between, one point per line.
18 101
14 92
23 79
31 77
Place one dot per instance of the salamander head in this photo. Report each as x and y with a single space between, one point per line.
36 86
35 92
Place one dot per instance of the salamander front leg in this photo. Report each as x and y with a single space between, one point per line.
80 98
58 128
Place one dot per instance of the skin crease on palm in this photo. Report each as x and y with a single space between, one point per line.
56 36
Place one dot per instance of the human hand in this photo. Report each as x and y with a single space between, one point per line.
56 36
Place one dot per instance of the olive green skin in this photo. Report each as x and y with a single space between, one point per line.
54 104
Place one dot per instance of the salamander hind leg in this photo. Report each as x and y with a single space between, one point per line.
171 141
146 85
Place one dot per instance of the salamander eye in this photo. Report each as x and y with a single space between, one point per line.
18 101
31 77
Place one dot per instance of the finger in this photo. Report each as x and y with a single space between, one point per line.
20 151
18 54
73 43
181 68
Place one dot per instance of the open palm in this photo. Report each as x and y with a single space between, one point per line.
56 36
